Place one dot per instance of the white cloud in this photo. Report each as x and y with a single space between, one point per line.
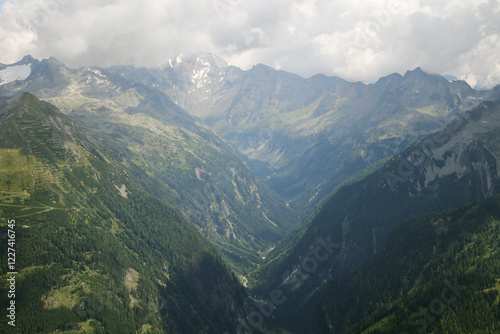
354 39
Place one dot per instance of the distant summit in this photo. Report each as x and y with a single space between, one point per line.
26 60
17 71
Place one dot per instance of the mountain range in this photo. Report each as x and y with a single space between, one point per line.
456 165
183 161
136 179
306 136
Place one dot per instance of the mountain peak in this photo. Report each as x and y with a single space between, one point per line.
54 61
17 71
24 104
28 59
416 72
212 59
26 98
263 67
389 80
17 105
419 74
200 59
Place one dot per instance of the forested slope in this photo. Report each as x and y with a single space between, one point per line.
93 249
437 273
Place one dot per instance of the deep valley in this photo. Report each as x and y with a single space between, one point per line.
199 197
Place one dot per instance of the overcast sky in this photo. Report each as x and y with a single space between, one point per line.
354 39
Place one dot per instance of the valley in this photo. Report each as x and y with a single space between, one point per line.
202 198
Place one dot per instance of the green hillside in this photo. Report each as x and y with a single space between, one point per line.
94 252
437 273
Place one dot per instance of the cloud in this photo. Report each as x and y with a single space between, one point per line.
354 39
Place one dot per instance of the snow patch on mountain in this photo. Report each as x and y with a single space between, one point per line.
200 73
13 73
